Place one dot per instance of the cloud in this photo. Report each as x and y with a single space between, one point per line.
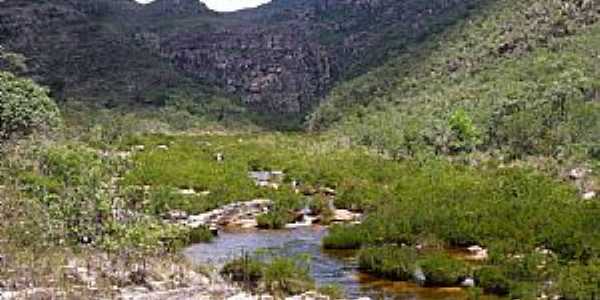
226 5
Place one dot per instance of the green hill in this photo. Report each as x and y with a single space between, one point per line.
521 76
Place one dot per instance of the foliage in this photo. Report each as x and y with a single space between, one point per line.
465 132
493 280
333 291
580 281
529 90
72 199
24 107
392 262
442 270
273 220
344 237
279 275
200 234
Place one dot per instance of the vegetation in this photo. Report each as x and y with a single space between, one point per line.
278 275
24 107
515 77
461 140
512 211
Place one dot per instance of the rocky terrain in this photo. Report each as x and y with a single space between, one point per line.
281 57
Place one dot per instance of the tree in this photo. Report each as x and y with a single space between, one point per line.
466 135
24 107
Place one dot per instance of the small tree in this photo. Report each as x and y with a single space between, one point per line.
24 107
466 135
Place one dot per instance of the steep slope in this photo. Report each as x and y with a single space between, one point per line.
78 49
522 76
278 59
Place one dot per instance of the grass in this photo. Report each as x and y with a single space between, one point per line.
512 211
279 276
190 162
509 210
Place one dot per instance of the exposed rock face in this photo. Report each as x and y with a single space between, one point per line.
280 57
272 71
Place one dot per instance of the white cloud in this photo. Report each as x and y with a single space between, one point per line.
227 5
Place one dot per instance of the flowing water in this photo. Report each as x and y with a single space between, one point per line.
327 267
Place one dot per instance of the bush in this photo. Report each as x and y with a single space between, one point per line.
200 234
391 262
280 276
344 237
580 281
273 220
333 291
24 107
493 280
288 276
244 269
442 270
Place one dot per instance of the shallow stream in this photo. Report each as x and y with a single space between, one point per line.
338 267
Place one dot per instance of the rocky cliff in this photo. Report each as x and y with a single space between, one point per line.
281 57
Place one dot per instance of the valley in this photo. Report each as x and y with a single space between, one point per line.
302 149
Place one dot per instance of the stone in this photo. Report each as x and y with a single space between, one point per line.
327 191
344 215
246 223
478 253
176 215
187 192
468 282
577 173
589 195
219 157
162 147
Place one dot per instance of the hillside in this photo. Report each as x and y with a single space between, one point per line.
520 76
280 58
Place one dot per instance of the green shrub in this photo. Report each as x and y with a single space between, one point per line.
273 220
24 107
580 281
244 269
391 262
442 270
280 276
287 276
524 290
344 237
201 234
333 291
493 280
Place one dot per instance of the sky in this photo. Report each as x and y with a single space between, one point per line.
227 5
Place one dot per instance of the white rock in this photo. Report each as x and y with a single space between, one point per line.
468 282
344 215
220 157
475 249
588 195
187 192
478 253
176 215
162 147
328 191
577 173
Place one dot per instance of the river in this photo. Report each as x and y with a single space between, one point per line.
327 267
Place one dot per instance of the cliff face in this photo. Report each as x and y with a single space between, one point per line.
281 57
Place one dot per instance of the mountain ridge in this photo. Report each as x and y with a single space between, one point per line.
279 58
